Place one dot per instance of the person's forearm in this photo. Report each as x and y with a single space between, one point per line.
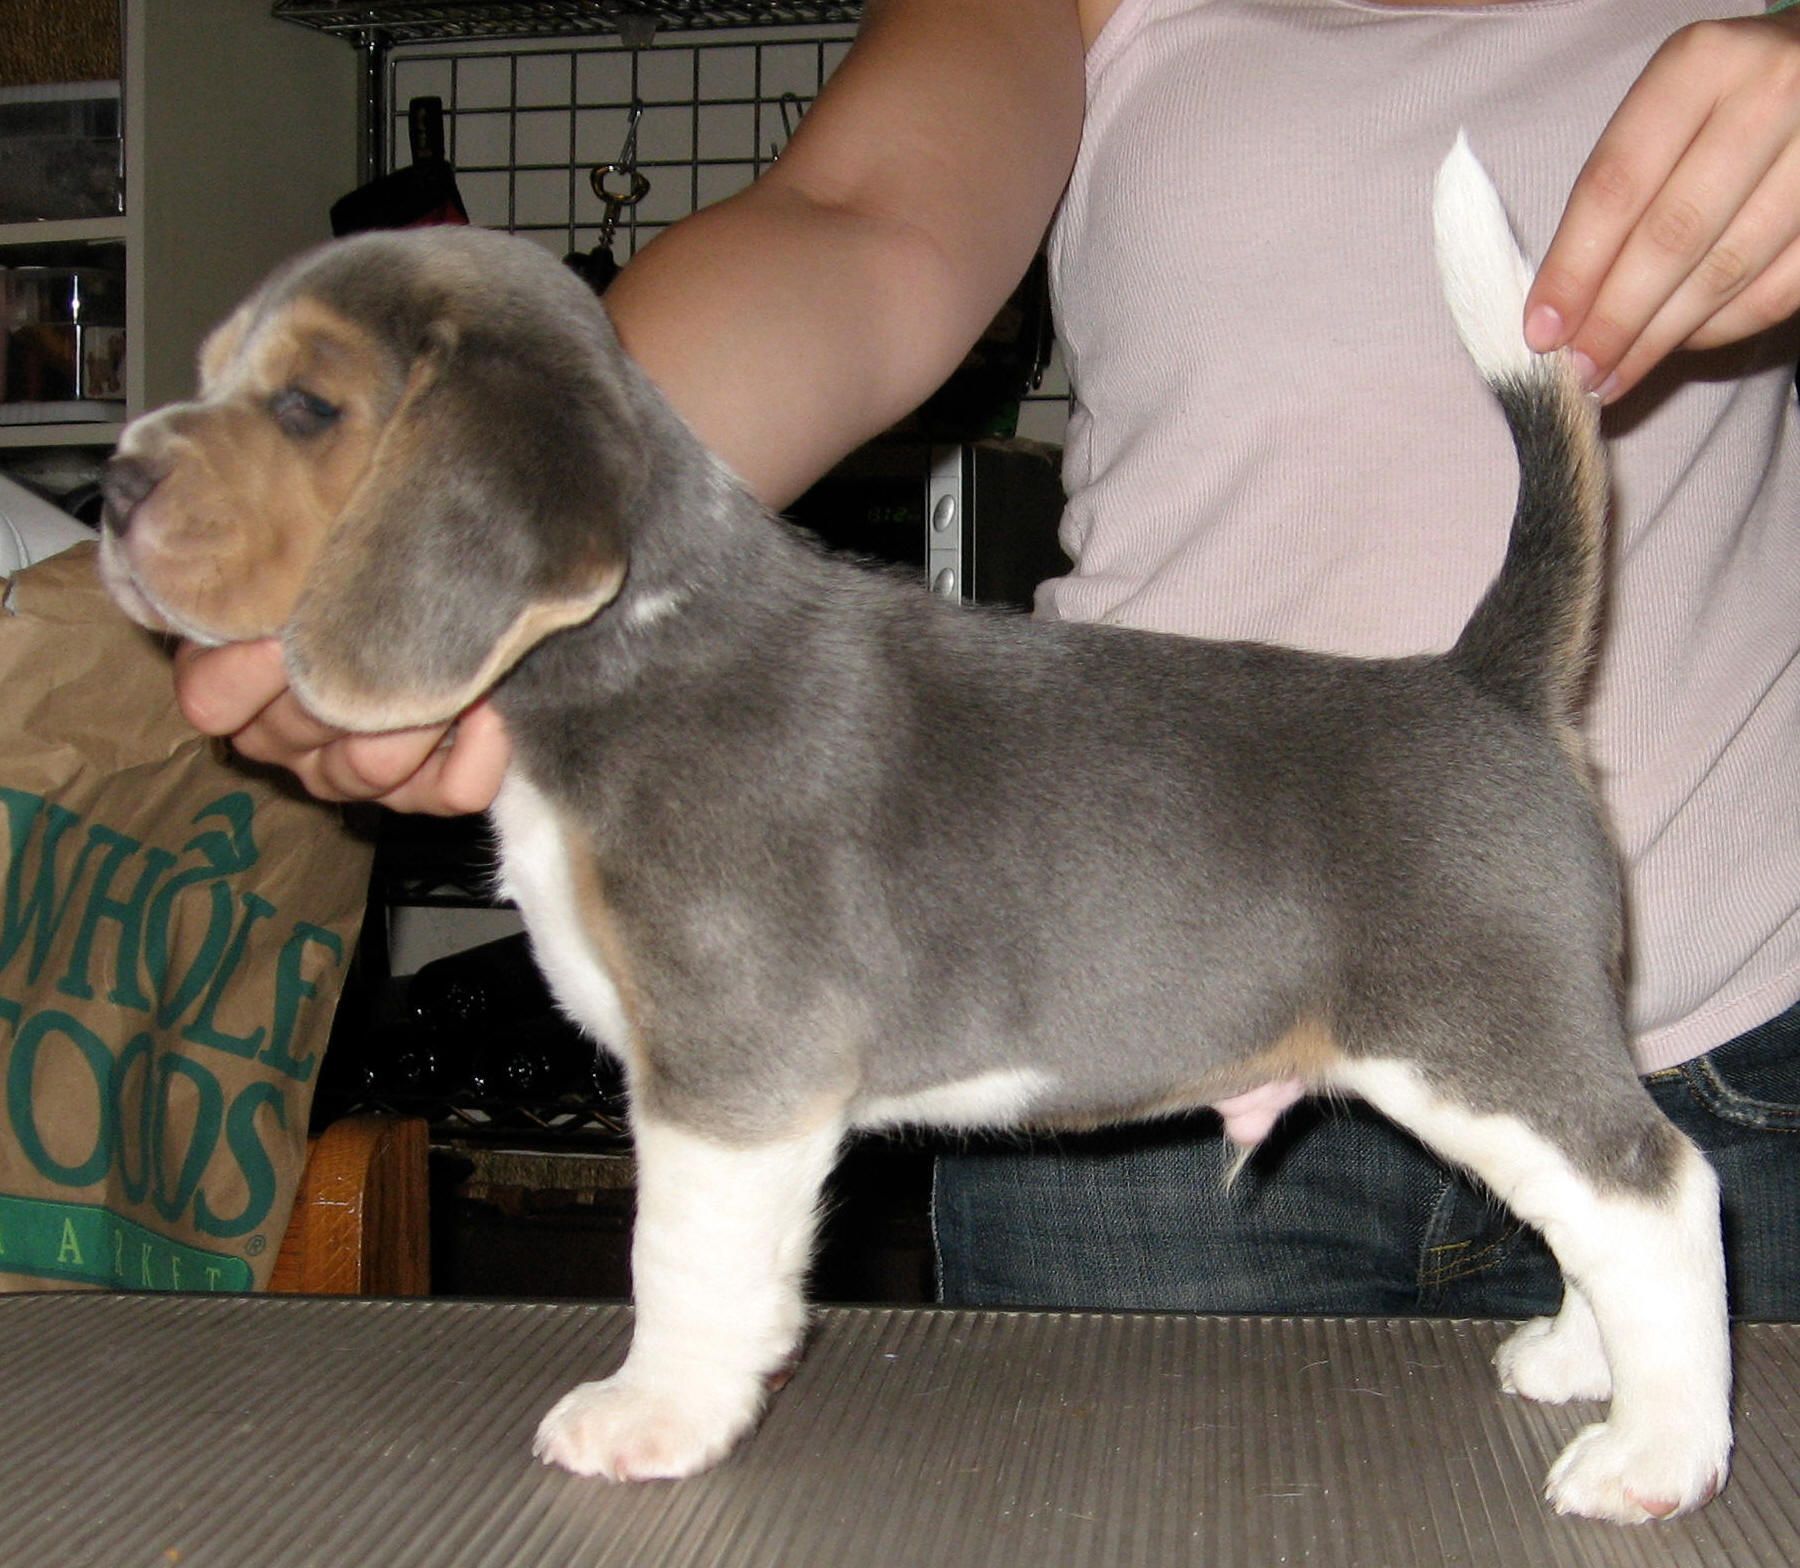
784 363
807 314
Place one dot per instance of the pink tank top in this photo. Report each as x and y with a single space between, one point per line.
1276 435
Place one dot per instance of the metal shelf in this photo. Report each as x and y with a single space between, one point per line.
381 24
64 231
100 433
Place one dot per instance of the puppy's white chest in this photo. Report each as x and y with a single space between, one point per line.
537 874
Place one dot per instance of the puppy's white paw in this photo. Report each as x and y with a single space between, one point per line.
630 1430
1554 1360
1628 1477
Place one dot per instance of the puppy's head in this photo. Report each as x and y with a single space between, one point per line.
411 458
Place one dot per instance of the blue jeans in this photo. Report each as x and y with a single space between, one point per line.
1341 1212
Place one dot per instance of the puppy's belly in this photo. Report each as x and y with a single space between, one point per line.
1013 1097
1002 1098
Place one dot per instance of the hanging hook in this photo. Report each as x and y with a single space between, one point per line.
787 101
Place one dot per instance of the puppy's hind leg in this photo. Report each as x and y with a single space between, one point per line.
1638 1239
1557 1359
718 1258
1652 1267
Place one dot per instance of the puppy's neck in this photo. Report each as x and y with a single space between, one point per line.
709 573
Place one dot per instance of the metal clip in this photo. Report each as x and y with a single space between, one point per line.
620 185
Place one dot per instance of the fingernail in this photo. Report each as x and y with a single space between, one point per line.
1543 328
1607 390
1586 371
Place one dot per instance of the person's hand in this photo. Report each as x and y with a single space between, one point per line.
1681 230
241 691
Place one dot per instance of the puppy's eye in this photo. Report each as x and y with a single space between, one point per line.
301 413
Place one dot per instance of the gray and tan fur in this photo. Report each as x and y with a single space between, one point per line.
810 851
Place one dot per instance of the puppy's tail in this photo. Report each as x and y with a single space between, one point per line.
1532 636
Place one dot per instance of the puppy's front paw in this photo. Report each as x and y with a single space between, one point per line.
1629 1477
1554 1360
627 1429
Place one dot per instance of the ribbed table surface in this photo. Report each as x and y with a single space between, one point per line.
251 1432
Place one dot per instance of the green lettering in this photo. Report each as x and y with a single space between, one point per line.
175 1000
223 853
83 1241
291 989
233 848
39 913
205 1030
253 1160
21 1072
129 913
134 1143
209 1112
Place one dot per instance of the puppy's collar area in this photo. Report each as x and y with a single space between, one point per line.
642 611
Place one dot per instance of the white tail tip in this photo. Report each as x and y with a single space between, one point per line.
1484 274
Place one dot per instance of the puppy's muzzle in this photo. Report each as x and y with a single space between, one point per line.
125 484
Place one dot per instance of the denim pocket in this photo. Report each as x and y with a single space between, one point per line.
1752 1081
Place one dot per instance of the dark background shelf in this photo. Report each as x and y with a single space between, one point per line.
383 23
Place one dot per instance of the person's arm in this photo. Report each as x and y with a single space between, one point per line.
788 324
1683 228
796 320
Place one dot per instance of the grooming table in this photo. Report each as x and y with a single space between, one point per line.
246 1432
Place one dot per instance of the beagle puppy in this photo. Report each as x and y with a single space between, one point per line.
810 851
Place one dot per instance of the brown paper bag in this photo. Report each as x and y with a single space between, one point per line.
174 930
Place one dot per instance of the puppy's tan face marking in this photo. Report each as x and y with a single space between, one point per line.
256 472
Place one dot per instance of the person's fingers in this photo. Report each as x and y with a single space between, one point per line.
241 691
1689 203
220 690
1743 284
283 732
1773 298
469 771
1641 145
461 773
439 771
1686 263
372 767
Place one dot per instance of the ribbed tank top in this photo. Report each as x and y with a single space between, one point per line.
1275 433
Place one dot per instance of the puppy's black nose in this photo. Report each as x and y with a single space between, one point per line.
123 484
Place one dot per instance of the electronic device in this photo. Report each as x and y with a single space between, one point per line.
977 518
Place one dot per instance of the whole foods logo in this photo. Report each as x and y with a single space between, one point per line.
139 1067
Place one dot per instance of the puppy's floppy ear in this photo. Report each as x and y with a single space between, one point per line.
490 516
